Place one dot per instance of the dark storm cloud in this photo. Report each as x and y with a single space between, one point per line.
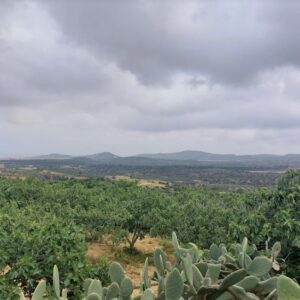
228 42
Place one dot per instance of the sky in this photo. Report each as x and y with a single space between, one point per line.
80 77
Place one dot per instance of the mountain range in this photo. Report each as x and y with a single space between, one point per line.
187 157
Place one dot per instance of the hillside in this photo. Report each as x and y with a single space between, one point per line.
191 155
103 156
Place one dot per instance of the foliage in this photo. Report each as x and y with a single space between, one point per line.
31 243
8 289
100 270
47 222
287 289
276 217
218 174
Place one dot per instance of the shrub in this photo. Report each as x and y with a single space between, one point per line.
31 244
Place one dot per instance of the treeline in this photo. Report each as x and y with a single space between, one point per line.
43 223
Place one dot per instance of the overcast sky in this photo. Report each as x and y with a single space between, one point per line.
80 77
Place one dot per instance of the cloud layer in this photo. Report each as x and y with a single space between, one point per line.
141 76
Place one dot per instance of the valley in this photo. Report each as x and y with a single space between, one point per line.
195 168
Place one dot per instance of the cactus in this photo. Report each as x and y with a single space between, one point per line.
174 285
64 294
176 247
287 289
146 283
249 283
93 296
202 267
116 273
241 294
113 291
95 287
214 252
267 286
39 291
147 295
197 278
259 267
126 287
214 274
194 250
245 245
276 250
188 269
274 254
233 278
160 261
86 285
56 284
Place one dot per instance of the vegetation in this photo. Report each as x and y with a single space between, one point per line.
216 273
49 222
213 174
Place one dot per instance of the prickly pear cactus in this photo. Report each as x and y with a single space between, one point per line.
213 274
287 289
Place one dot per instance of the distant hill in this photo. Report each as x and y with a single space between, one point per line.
187 158
191 155
103 156
52 156
257 160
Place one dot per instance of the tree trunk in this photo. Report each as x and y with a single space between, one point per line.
133 239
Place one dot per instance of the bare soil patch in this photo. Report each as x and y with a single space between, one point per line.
152 183
132 264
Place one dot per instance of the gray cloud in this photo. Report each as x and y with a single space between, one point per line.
226 42
149 76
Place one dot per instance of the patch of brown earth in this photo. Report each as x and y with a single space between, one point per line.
132 265
152 183
5 270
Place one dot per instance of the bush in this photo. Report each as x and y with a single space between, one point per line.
8 289
271 216
31 244
100 270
